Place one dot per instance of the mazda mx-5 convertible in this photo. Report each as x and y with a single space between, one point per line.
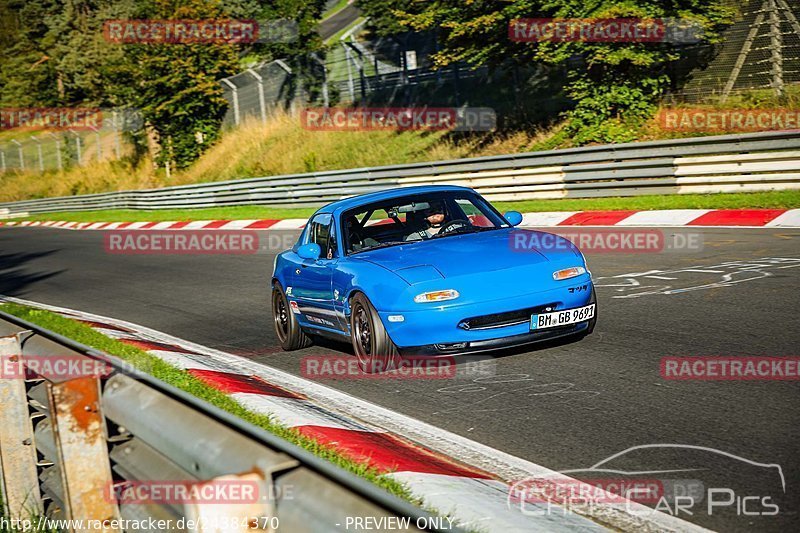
425 271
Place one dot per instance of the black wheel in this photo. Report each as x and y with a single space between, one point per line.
374 349
287 328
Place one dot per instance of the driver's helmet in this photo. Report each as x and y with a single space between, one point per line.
435 207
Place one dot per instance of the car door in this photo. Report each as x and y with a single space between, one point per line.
313 279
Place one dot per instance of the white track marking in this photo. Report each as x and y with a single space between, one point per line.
197 224
545 219
162 225
293 412
237 224
289 223
730 273
666 217
789 219
136 225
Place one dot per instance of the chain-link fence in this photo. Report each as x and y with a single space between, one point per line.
35 149
260 91
760 53
393 72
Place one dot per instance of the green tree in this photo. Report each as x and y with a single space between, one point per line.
176 85
383 14
55 54
615 85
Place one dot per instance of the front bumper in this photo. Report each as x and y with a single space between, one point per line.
434 328
498 343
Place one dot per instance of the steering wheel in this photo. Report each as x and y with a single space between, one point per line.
454 225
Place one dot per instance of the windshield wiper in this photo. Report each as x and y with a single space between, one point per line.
465 230
377 246
459 231
486 228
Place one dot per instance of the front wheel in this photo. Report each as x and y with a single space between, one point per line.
290 335
371 343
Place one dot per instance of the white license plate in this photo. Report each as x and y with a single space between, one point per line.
562 318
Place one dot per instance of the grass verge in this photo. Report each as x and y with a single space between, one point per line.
341 4
755 200
185 381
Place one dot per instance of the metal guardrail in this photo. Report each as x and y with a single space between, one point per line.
725 163
67 442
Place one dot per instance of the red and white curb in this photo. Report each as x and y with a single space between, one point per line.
748 218
285 224
458 477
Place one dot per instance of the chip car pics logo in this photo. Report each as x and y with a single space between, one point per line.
676 491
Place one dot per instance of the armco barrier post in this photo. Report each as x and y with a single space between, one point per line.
79 434
18 477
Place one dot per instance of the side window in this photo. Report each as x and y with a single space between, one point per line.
475 216
319 232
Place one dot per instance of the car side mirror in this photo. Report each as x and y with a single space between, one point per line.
309 251
513 217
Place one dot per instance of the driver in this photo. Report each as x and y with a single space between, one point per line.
433 219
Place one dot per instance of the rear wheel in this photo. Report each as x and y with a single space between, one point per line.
371 343
287 328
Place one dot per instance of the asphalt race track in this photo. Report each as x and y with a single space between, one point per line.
565 406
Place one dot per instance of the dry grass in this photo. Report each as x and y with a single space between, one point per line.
284 147
280 147
95 177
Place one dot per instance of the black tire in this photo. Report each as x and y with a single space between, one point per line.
290 335
374 349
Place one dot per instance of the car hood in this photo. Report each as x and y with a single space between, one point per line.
473 253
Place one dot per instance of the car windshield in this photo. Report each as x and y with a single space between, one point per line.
416 218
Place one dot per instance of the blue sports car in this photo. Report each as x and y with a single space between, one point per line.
426 271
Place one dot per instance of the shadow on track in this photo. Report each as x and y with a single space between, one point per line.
13 276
